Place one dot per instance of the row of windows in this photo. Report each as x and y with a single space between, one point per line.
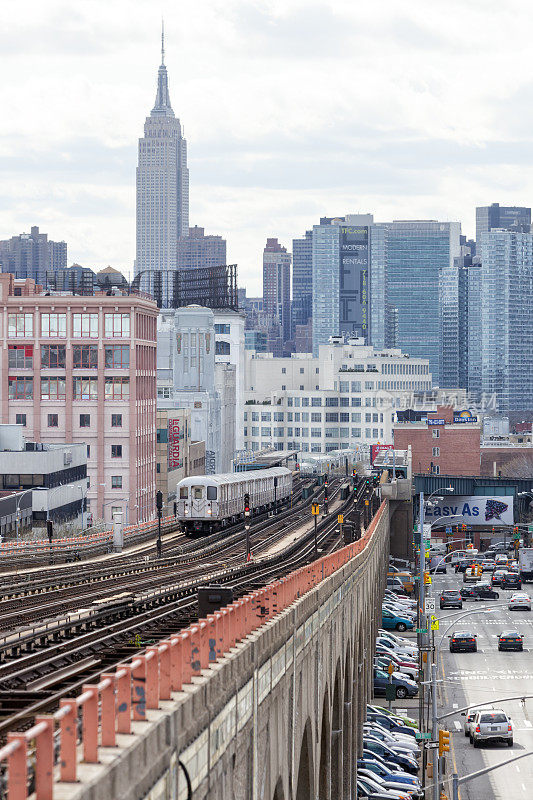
20 387
54 325
84 356
85 421
316 416
316 433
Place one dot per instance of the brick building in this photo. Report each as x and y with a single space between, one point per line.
83 369
446 443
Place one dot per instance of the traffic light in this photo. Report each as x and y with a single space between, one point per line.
427 578
49 529
444 742
159 501
247 504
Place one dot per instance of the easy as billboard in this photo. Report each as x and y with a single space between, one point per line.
482 511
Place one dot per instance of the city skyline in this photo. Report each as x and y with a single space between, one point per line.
272 149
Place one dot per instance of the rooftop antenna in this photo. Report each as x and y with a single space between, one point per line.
162 41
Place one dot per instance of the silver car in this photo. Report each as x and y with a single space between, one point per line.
520 600
491 726
471 715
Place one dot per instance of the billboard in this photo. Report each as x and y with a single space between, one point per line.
174 443
377 448
481 511
353 285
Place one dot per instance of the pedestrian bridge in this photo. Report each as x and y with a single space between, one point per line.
262 701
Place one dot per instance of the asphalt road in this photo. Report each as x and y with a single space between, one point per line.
471 678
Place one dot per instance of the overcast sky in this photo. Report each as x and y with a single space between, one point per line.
292 109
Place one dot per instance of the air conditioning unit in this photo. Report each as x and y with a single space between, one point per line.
67 457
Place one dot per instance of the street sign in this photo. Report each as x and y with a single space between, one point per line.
419 735
421 630
315 509
390 668
340 519
429 605
434 623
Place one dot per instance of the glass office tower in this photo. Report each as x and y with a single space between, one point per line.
507 318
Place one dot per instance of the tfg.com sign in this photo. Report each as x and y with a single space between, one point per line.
481 511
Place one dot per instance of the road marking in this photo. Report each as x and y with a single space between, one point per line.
402 711
457 725
455 705
527 723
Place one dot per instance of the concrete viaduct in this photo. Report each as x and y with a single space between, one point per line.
277 717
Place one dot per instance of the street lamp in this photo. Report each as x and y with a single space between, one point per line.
17 509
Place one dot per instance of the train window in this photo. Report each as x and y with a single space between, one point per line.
197 492
184 493
211 492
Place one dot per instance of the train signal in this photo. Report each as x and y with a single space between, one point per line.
49 529
315 509
159 501
246 505
444 742
516 533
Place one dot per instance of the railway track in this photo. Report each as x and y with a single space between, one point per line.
39 670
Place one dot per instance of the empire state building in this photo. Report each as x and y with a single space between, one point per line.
162 188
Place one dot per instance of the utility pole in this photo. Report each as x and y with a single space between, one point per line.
247 524
159 505
434 733
315 511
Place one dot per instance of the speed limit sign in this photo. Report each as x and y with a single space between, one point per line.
429 605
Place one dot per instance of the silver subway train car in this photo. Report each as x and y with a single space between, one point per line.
207 503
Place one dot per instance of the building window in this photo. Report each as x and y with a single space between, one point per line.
316 401
278 416
20 356
117 325
435 469
344 386
436 451
265 416
356 433
284 370
316 416
265 432
85 356
344 417
85 388
316 432
332 401
117 388
332 416
356 402
20 388
88 451
222 348
436 433
368 417
116 420
301 370
222 328
283 387
53 420
116 451
85 420
356 386
53 356
158 467
117 356
85 326
116 481
19 325
20 419
54 326
53 388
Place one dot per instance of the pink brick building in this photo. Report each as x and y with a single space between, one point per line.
83 369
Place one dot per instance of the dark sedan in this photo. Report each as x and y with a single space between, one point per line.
451 598
511 581
479 591
510 640
463 641
498 576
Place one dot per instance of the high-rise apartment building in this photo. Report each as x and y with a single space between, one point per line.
510 218
341 255
413 280
32 255
197 251
302 280
507 318
277 293
78 368
162 187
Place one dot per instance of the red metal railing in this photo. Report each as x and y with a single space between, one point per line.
110 706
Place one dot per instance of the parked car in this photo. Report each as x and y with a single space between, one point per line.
397 658
377 766
491 726
397 646
382 662
396 585
405 578
479 591
399 789
471 715
396 622
400 641
395 741
367 788
451 598
404 686
405 761
510 640
392 724
397 608
463 641
393 765
520 600
511 580
382 710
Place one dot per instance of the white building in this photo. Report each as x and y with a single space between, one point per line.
345 398
188 377
229 349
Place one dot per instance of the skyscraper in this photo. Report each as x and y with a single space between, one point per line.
302 279
416 283
277 293
341 255
506 217
162 185
196 250
507 318
32 255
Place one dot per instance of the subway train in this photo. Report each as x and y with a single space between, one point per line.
208 503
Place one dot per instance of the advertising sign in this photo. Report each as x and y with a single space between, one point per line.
377 448
353 293
173 443
482 511
463 416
